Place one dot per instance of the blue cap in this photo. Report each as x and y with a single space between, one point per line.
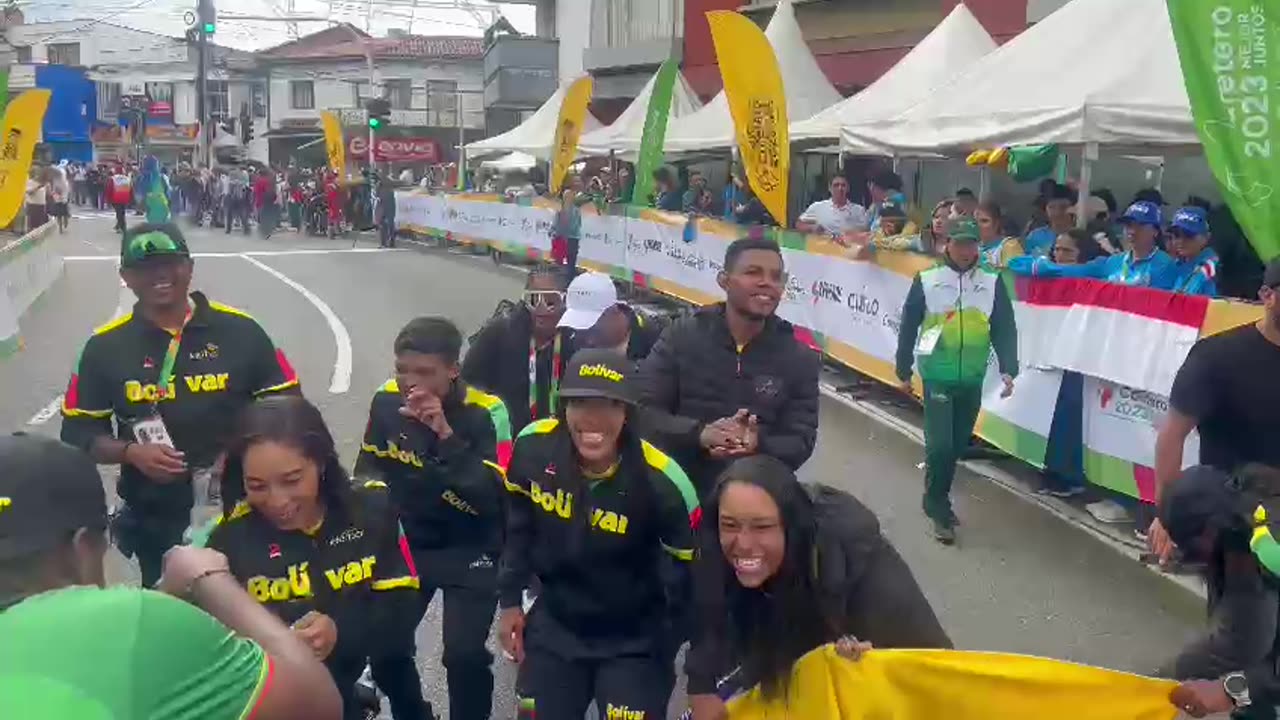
1143 213
1191 220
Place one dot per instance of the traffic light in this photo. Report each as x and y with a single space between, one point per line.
379 113
207 16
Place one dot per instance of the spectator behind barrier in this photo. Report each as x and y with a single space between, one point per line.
1197 263
997 248
1144 265
884 185
1057 209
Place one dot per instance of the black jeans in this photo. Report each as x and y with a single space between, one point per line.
154 534
120 210
470 598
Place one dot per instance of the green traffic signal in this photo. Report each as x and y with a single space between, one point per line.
208 28
375 122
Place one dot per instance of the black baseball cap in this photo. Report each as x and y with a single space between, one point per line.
150 240
1201 498
48 490
598 373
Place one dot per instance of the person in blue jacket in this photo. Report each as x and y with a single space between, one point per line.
1143 265
1197 263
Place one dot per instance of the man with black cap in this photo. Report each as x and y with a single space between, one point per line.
173 374
955 314
1224 521
1228 389
605 521
72 649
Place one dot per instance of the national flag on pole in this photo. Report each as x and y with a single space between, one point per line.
758 104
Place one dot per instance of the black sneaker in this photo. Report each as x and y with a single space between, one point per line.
943 532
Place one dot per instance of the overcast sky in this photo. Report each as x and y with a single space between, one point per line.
166 16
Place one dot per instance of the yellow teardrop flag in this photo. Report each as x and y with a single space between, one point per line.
21 132
753 86
333 143
957 685
573 114
977 157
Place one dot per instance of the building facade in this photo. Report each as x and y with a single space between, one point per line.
96 71
434 85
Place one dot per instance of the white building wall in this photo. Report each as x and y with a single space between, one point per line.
101 43
333 84
573 30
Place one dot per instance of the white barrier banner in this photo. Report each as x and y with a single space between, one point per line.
857 303
1122 422
28 266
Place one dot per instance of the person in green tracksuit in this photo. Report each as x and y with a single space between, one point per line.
955 314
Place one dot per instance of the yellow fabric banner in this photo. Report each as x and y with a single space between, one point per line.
573 113
333 143
20 134
957 685
753 86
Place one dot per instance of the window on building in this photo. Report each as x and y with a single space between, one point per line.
399 93
302 94
64 53
24 53
108 100
442 103
160 92
359 93
258 93
219 106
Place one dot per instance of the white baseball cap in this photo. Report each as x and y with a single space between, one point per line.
589 296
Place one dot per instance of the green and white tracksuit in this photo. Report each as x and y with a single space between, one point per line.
951 321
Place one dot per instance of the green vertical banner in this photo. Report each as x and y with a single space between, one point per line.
655 131
1227 49
4 88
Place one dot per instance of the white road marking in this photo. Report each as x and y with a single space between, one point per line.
48 412
252 253
341 381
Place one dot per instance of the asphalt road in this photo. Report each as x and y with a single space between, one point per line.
1020 580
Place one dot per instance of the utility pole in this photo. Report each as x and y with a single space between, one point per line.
206 25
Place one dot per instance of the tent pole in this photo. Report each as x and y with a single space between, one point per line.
984 183
1087 155
1160 174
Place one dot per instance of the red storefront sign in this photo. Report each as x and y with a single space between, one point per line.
160 109
396 149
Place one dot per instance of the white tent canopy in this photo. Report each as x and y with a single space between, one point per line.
511 161
625 134
1095 71
534 136
950 49
808 90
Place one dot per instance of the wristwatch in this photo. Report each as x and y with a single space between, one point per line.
1237 688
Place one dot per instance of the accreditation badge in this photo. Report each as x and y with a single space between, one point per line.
152 431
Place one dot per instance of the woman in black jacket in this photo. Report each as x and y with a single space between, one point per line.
784 568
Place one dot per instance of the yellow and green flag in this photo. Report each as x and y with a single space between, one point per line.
753 86
18 138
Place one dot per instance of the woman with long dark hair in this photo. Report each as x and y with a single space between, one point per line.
603 520
325 557
784 568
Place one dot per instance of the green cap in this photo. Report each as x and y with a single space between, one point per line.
152 240
962 228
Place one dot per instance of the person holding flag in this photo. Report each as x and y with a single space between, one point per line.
1196 263
154 190
1144 264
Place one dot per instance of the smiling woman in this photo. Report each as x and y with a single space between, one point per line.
784 568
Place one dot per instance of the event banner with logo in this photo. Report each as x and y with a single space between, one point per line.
851 309
573 115
21 132
333 143
1232 73
655 130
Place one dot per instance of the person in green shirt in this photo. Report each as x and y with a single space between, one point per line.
74 649
954 315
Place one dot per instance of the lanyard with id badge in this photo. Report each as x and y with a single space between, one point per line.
152 431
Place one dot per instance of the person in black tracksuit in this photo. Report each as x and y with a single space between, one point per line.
732 379
520 343
604 520
321 555
441 447
784 568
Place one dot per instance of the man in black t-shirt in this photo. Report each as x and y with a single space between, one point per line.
1229 390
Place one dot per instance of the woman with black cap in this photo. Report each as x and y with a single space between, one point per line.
1225 521
604 520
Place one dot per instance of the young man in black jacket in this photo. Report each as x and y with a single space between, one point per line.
519 354
732 380
441 447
